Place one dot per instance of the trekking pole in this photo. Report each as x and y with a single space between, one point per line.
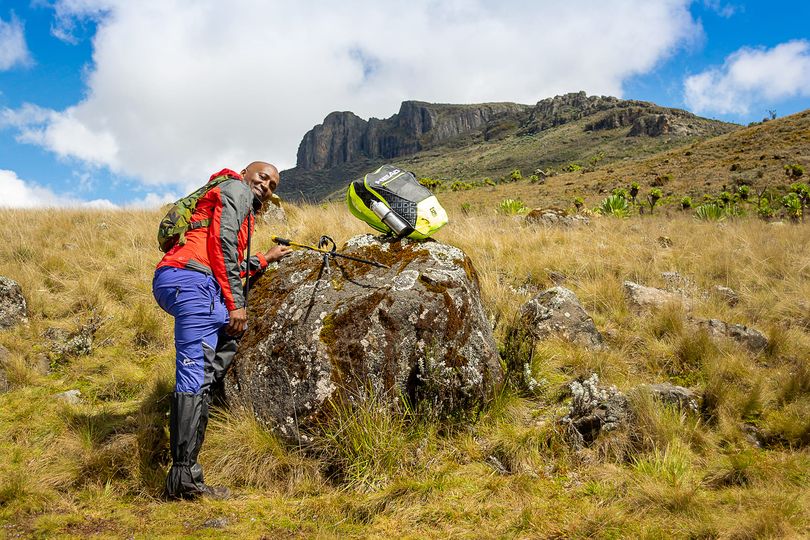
322 244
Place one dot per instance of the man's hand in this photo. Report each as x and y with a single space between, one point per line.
238 322
277 253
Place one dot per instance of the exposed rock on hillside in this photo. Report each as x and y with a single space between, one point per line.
597 408
749 337
345 137
643 297
13 309
558 312
416 330
594 409
346 146
555 217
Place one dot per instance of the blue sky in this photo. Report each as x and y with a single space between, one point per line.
114 103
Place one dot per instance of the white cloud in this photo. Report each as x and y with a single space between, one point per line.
13 50
721 8
751 76
18 193
64 133
179 88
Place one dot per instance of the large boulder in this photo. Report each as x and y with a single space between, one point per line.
558 312
13 309
416 330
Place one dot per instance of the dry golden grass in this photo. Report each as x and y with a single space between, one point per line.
97 467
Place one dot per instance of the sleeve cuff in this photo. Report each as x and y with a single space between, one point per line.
262 261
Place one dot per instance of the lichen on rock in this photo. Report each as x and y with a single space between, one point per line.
416 330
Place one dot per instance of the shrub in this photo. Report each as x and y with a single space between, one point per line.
489 181
621 192
764 209
511 207
793 206
578 203
458 185
686 203
572 167
430 183
653 198
710 212
794 171
744 192
634 188
802 191
515 176
615 205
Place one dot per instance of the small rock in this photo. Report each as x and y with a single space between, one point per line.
726 293
649 297
668 393
664 241
594 409
13 309
752 434
557 278
72 397
496 464
66 344
555 216
558 312
273 212
753 339
215 523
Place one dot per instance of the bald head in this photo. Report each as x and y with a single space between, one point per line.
262 178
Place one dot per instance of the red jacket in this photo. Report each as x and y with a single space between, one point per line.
218 249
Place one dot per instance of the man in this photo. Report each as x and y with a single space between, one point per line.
200 284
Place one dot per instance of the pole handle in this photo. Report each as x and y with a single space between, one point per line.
281 241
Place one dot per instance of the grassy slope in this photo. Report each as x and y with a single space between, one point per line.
758 155
95 468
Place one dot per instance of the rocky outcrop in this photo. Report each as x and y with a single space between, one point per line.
13 309
415 330
558 312
344 137
559 110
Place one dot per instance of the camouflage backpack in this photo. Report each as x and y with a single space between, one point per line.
177 221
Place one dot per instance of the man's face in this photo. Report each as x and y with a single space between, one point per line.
262 180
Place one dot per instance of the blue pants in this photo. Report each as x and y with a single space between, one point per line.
200 316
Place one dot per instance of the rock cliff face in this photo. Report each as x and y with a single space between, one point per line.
344 137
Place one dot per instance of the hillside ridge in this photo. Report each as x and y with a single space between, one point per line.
345 146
